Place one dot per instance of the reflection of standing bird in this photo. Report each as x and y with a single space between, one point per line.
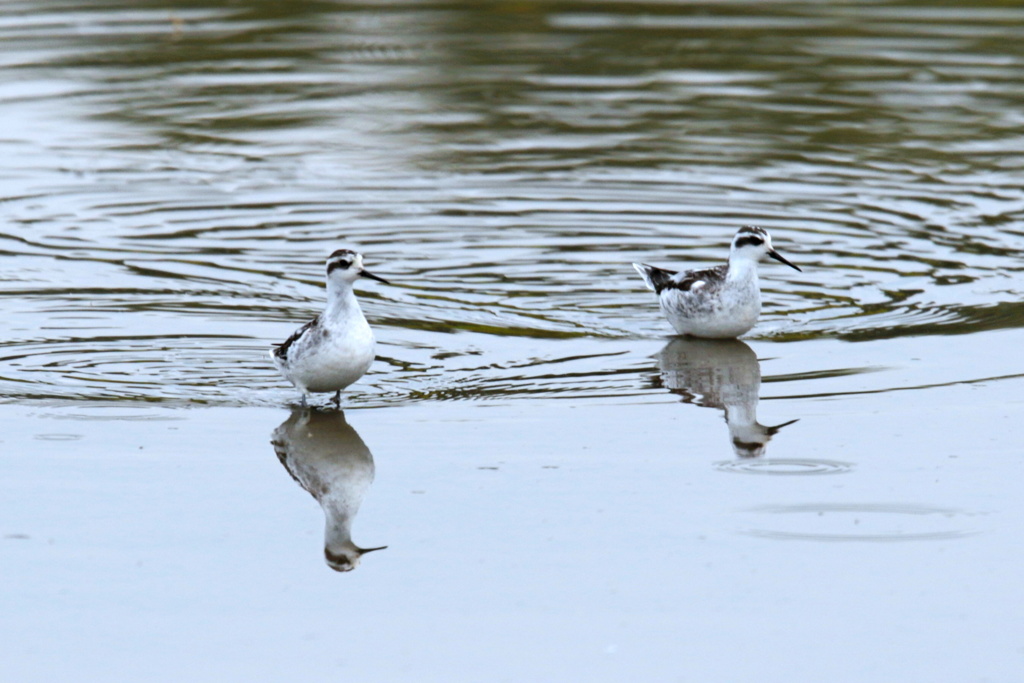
326 456
337 347
721 302
720 374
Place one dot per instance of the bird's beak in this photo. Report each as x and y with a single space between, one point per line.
366 273
363 551
772 431
778 257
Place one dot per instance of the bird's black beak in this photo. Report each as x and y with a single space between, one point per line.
772 431
366 273
778 257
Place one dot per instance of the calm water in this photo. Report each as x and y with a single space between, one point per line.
559 483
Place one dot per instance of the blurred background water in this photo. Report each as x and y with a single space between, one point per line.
175 173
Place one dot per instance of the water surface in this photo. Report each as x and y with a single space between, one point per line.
557 480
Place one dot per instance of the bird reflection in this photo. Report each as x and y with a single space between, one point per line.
720 374
326 456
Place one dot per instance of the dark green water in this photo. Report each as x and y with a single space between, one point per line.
176 175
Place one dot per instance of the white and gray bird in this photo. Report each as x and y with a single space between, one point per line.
336 348
721 302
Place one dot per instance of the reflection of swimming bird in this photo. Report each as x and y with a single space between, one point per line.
337 347
326 456
720 374
721 302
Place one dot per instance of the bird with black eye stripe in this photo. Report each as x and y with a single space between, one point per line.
335 348
717 303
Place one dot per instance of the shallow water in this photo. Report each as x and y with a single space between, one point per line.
557 480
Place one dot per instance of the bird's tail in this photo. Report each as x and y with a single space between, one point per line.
654 278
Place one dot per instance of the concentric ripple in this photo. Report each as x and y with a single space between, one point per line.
860 522
784 466
174 181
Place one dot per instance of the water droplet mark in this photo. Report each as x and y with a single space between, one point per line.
784 466
864 522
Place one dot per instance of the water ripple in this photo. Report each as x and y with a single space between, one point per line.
784 466
862 522
503 169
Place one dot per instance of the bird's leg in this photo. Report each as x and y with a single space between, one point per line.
337 399
304 400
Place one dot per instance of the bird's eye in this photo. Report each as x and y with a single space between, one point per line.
335 265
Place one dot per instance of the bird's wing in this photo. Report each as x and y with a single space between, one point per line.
281 350
693 280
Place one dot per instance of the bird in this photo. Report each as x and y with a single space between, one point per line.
717 303
336 348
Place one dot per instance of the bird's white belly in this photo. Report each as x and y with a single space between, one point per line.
725 317
333 373
333 362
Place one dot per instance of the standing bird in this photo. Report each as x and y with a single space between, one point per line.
721 302
335 348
